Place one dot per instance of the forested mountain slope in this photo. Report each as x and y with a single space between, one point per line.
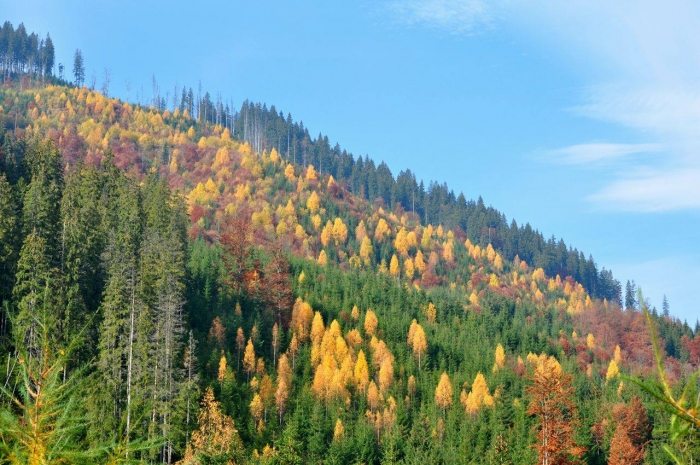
231 304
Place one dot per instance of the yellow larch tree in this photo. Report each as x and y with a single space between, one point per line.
311 174
431 313
613 371
419 262
478 396
386 375
289 172
221 375
500 358
411 387
353 338
408 269
221 159
448 251
249 359
293 349
498 262
361 372
420 343
590 341
382 230
355 313
313 202
490 253
216 436
474 298
318 329
443 393
426 238
327 233
411 332
371 323
322 258
256 408
394 268
373 396
281 396
338 431
340 232
401 242
411 239
366 251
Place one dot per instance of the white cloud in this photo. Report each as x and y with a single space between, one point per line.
652 191
670 114
598 152
648 54
454 16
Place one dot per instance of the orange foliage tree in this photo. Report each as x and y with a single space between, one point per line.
550 396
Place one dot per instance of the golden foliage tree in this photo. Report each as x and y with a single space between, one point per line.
338 431
443 393
249 359
366 251
500 358
394 268
361 372
478 396
419 343
313 202
371 323
339 231
216 438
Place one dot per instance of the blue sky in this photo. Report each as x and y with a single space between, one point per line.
580 117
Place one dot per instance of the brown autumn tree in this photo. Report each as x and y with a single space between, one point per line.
217 333
632 433
276 288
551 401
236 245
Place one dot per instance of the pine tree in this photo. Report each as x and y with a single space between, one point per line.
630 295
42 199
35 289
78 68
124 315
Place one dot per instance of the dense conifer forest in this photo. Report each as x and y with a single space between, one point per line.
185 283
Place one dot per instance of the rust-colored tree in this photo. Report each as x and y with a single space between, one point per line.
550 396
236 245
632 433
277 287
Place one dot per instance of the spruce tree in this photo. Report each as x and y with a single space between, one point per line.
78 68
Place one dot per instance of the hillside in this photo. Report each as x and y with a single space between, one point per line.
310 323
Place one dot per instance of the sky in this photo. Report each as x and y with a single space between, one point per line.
578 117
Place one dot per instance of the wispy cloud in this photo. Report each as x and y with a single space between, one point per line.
454 16
652 191
598 153
648 53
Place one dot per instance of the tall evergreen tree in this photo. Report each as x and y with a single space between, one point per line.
630 295
78 68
